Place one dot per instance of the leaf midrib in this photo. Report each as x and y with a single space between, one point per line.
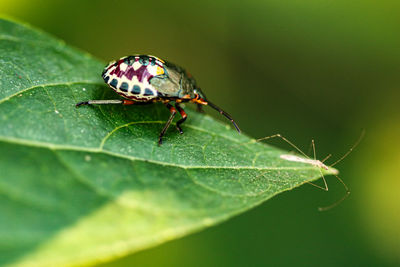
51 146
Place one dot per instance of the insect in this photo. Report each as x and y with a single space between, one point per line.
147 79
317 163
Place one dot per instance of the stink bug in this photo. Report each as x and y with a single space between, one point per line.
148 79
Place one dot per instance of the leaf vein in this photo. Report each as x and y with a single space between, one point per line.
111 153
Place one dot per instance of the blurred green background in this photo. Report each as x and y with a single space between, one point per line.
305 69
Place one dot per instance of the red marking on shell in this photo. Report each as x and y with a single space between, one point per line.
142 73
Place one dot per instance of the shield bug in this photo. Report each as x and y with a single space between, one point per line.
148 79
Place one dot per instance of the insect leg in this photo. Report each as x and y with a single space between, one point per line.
224 114
200 108
173 112
106 102
184 116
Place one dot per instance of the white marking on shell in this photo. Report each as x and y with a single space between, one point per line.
123 66
152 69
131 83
136 65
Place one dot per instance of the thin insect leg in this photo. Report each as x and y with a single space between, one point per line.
319 168
225 114
351 149
284 139
326 158
106 102
326 186
310 148
173 112
184 116
340 180
309 151
338 201
313 147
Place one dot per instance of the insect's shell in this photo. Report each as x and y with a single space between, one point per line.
146 78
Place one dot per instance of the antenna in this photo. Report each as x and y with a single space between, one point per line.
351 149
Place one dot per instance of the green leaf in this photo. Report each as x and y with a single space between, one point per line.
83 185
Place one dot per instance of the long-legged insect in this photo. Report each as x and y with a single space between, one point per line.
317 163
